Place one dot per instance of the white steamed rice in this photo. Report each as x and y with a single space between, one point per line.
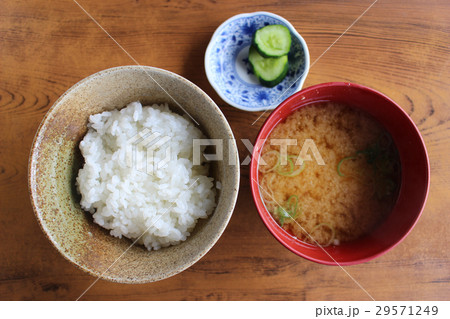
161 206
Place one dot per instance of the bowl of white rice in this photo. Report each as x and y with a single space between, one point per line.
134 174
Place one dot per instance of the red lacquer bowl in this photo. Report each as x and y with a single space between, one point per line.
415 180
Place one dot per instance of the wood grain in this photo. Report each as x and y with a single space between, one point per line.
400 48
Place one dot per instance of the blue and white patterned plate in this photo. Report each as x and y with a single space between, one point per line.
228 70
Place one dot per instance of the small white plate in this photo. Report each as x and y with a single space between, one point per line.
228 70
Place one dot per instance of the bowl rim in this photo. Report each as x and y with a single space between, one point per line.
31 172
265 216
300 80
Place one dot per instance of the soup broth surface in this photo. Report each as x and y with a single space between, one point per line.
347 196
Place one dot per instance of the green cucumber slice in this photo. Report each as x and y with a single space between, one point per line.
270 71
272 41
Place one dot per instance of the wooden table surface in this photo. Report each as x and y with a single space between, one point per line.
400 48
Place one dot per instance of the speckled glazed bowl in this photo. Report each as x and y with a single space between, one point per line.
55 160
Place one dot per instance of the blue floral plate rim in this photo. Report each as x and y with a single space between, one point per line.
298 83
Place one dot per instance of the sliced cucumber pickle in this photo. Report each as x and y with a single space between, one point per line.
270 71
272 41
